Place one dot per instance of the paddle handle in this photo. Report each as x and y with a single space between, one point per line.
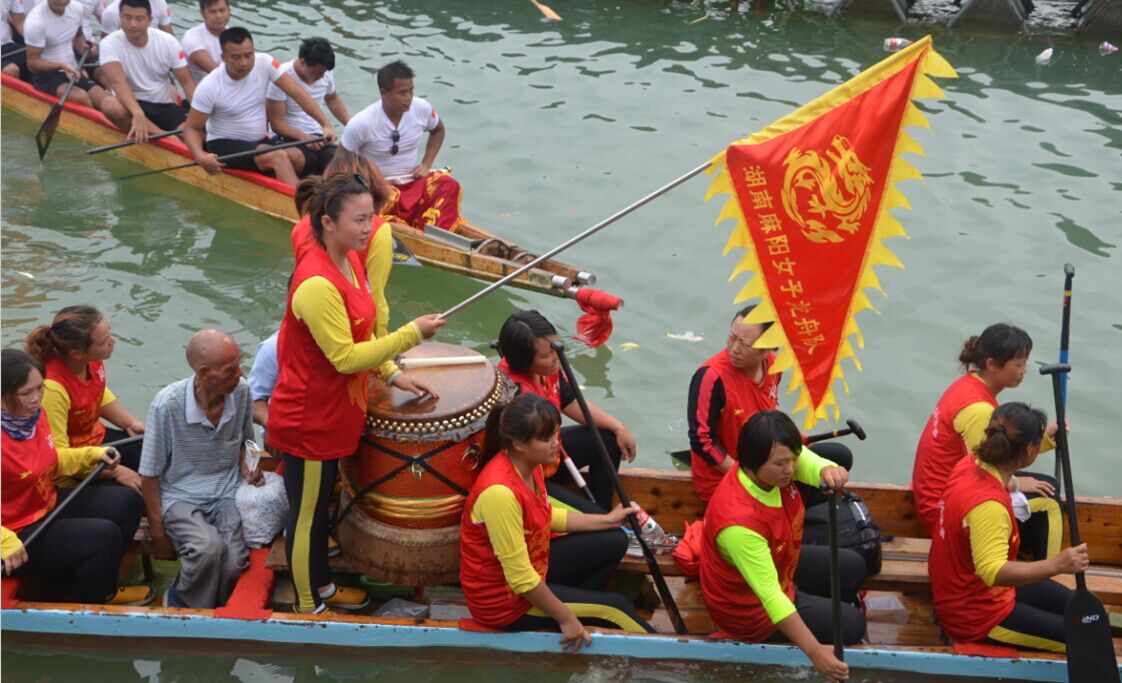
230 157
62 506
1056 370
835 579
74 79
624 499
1065 334
126 143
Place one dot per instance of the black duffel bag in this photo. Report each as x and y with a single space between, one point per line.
857 530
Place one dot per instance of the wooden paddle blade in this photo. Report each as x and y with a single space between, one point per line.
47 131
1090 649
547 11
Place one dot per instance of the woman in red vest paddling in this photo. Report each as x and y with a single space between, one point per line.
980 590
725 391
326 351
528 359
516 576
87 540
74 348
756 578
995 361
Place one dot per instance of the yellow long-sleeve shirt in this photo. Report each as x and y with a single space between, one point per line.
379 262
498 509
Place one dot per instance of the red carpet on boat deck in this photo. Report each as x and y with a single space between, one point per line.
252 592
469 624
9 589
986 650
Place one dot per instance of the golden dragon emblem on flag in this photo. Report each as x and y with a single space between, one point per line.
813 191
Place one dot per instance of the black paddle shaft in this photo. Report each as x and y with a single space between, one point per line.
625 501
1056 370
229 157
62 506
50 124
835 580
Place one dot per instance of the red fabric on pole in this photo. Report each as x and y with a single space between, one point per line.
595 326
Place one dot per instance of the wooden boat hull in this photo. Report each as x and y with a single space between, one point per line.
273 198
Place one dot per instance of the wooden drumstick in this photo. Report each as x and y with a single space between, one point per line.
413 363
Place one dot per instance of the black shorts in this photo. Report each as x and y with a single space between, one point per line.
224 146
315 160
168 115
19 59
49 82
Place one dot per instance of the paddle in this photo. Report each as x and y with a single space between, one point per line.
853 428
1065 332
625 501
835 577
229 157
547 11
1090 649
119 145
50 124
13 53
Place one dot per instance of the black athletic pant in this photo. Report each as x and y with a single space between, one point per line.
86 542
1045 528
834 452
1037 619
130 454
579 567
310 485
812 597
579 444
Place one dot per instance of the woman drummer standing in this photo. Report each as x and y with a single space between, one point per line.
326 351
996 360
529 360
515 575
980 590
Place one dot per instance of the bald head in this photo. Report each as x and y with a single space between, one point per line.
210 347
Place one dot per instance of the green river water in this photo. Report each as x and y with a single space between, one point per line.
553 126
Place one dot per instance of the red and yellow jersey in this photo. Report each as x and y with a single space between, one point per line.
74 404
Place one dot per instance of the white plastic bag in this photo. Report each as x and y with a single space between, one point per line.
264 510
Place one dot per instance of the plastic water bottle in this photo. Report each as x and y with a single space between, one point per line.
652 532
1044 57
895 44
1106 48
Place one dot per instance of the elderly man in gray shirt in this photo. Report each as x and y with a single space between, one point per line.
192 462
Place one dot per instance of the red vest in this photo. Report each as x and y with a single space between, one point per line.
315 411
731 603
489 596
743 398
549 388
967 608
27 474
941 447
83 423
304 239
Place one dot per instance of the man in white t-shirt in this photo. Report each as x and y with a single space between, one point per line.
111 17
53 34
228 110
135 61
200 42
389 133
15 61
312 72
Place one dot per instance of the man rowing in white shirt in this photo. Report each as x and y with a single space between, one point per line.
111 17
135 61
53 35
228 111
15 63
312 72
200 42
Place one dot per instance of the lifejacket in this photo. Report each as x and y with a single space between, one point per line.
489 597
315 411
967 608
735 608
941 447
83 422
743 398
27 474
548 388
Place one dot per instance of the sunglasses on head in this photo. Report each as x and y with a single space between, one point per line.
395 137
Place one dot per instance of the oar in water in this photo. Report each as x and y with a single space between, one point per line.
229 157
119 145
1065 333
851 428
1090 649
625 501
50 124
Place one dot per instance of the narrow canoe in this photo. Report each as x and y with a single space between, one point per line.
916 646
477 253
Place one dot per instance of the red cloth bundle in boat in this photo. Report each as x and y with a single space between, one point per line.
253 591
595 326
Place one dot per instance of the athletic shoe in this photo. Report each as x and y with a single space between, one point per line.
132 595
344 597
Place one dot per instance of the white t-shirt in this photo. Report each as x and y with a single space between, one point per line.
10 7
146 68
237 108
55 34
293 114
199 38
91 10
111 15
370 133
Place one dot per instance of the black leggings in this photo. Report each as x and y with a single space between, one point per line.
130 453
1037 619
812 597
309 484
579 444
1042 533
579 567
85 542
835 452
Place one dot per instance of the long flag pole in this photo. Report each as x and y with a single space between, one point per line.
1065 334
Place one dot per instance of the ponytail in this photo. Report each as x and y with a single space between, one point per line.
526 417
1002 342
1012 429
71 330
302 195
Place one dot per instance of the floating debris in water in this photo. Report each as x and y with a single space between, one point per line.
627 346
27 275
1107 48
1044 57
895 44
700 19
688 336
